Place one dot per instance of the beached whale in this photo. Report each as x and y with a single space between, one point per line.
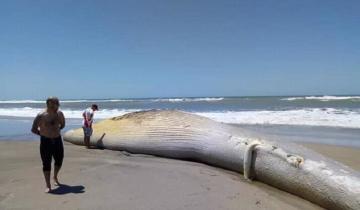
181 135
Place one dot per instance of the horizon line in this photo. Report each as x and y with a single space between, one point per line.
177 97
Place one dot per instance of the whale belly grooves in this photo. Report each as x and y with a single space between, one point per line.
181 135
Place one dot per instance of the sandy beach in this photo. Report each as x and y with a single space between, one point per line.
103 179
233 84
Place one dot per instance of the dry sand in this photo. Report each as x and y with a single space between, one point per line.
102 179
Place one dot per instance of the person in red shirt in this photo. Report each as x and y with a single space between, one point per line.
88 117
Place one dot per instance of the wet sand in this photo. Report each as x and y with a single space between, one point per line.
103 179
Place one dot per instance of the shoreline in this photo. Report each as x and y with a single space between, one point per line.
108 179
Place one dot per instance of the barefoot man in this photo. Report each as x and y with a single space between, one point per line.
88 116
47 125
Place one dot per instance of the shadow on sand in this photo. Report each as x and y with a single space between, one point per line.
66 189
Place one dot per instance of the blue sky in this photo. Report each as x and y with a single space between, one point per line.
112 49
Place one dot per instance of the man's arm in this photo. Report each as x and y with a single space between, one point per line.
35 125
62 120
91 119
85 119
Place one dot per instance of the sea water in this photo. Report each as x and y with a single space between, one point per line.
321 115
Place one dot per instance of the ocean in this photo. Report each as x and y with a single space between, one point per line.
292 116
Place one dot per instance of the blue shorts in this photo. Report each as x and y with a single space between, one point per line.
87 131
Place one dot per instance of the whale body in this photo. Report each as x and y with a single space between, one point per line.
176 134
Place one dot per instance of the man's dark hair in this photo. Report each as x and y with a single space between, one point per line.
95 106
52 99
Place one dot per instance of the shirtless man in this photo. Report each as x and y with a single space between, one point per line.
88 118
47 125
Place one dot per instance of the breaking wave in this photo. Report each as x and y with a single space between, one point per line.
187 99
323 98
309 116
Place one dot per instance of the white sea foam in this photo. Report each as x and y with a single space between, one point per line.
32 112
311 117
186 99
323 98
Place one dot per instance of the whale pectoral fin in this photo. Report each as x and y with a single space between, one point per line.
248 158
295 160
99 142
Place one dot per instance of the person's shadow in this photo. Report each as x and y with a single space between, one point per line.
66 189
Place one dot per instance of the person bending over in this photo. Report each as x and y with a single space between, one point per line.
47 125
88 117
